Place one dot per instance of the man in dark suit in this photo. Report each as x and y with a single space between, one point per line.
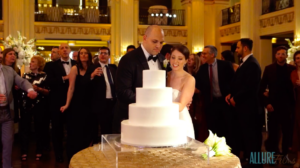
58 80
279 101
244 97
166 51
54 57
104 93
213 80
130 71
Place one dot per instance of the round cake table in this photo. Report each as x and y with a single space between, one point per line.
90 158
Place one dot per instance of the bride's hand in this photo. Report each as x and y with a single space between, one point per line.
188 105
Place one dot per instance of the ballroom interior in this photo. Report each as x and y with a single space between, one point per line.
119 23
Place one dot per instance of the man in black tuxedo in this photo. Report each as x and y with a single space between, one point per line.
104 93
130 71
245 98
213 80
58 80
279 102
54 57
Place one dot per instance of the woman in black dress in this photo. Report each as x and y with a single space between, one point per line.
34 108
79 135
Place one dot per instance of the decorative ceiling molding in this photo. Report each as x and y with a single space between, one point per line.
67 30
167 32
230 30
277 20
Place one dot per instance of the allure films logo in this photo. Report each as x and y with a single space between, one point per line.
269 158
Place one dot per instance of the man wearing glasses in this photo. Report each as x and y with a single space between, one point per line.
104 95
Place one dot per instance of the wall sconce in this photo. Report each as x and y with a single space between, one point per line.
92 7
56 5
50 6
45 5
96 7
274 40
197 49
40 5
87 7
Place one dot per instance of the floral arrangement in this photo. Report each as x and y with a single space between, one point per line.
217 147
293 49
23 50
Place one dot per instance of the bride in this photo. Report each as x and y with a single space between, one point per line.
183 85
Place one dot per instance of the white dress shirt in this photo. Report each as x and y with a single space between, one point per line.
108 89
245 59
152 65
66 66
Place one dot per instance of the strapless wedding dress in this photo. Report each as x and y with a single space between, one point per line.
184 115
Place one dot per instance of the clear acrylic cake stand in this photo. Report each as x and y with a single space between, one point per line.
123 155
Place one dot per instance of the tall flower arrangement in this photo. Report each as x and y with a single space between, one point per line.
293 49
23 50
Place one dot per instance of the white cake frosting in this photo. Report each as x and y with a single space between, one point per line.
154 118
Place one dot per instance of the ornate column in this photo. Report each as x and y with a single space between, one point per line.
18 16
297 19
124 21
194 20
213 21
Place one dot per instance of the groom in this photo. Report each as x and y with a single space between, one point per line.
130 71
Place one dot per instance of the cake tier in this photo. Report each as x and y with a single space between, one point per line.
153 136
154 79
154 96
154 115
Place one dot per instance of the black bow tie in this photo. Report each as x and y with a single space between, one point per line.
63 62
152 58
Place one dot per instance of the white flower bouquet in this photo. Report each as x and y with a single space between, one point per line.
292 50
23 50
217 146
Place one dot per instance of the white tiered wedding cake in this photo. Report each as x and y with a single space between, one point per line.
154 118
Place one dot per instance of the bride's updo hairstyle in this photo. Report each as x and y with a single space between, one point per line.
182 49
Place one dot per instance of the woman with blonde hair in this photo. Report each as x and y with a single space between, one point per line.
34 108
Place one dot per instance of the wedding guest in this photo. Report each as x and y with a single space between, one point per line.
130 70
75 55
58 80
166 51
183 85
7 109
9 59
54 54
130 48
104 94
196 108
227 55
244 96
34 108
79 118
213 80
295 77
280 101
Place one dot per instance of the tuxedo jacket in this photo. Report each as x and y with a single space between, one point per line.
130 76
58 87
245 87
225 75
99 87
269 80
12 78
